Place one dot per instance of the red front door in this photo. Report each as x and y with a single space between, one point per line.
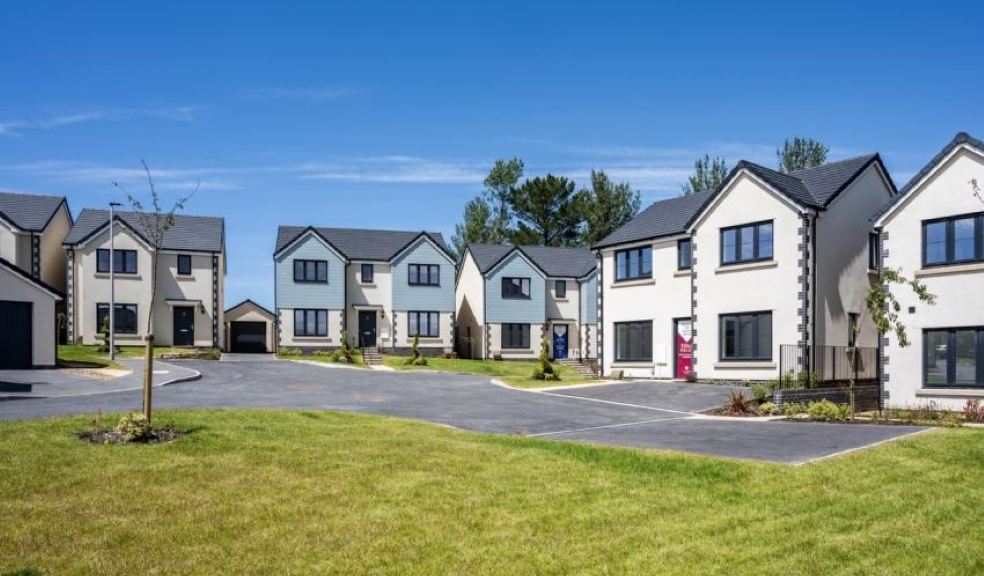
684 348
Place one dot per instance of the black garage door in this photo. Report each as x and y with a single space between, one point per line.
15 335
248 337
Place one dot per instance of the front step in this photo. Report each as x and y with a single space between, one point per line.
585 370
371 356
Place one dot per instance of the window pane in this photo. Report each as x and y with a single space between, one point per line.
621 342
102 260
684 254
298 321
729 246
560 288
525 283
413 327
964 239
322 322
633 263
966 357
322 271
647 261
747 251
746 336
764 349
298 270
729 338
435 275
765 240
935 243
936 355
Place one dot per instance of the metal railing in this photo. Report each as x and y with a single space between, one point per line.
825 366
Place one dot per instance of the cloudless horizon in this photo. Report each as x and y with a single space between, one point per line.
377 115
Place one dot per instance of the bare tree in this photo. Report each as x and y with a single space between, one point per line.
884 309
977 189
153 225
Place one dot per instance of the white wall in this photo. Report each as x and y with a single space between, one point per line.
958 289
660 299
771 286
53 265
842 260
17 289
470 309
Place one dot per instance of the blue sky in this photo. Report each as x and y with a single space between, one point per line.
373 114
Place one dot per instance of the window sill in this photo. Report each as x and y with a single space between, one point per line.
364 285
186 278
725 268
682 273
119 276
743 365
950 392
639 282
423 285
632 364
313 338
950 269
561 300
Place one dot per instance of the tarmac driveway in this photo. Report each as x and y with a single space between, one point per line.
474 403
656 394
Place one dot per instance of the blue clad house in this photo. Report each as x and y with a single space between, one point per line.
508 297
381 286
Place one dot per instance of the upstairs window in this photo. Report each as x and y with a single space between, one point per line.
424 275
516 288
955 240
874 244
634 263
311 271
684 254
746 243
368 272
184 264
560 288
125 261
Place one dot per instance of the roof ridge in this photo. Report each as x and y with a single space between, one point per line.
867 156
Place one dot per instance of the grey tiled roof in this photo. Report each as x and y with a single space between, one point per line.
663 218
554 261
29 211
959 139
360 244
193 233
813 188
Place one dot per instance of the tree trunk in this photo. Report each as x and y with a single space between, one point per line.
854 373
148 377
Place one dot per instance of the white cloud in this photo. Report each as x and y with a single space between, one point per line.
176 113
397 170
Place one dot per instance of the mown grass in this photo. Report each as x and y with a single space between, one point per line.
84 357
513 372
279 492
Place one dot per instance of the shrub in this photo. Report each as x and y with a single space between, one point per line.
345 352
826 411
545 370
420 361
738 404
324 353
767 408
24 572
973 411
790 408
538 374
134 428
691 377
415 358
291 352
761 393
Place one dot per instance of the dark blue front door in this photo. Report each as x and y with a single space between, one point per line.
560 341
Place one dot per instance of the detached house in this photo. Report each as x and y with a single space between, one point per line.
191 270
934 232
32 277
775 263
382 286
508 297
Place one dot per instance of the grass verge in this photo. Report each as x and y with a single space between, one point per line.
356 356
513 372
291 492
84 357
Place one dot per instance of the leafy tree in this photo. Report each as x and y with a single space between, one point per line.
476 227
549 211
153 224
800 153
502 178
709 173
607 207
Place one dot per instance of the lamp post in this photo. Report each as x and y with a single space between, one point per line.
112 281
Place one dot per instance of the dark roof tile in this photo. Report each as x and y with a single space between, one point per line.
556 262
29 211
194 233
360 244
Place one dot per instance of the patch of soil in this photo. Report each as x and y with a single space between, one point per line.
111 436
723 412
863 422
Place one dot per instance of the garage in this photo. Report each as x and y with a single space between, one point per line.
27 320
249 328
247 337
15 333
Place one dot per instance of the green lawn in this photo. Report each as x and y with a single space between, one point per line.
84 357
513 372
356 356
278 492
78 356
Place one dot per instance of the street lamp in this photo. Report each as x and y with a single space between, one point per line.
112 281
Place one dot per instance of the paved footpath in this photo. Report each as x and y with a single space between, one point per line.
474 403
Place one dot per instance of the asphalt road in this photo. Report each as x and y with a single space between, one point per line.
637 414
